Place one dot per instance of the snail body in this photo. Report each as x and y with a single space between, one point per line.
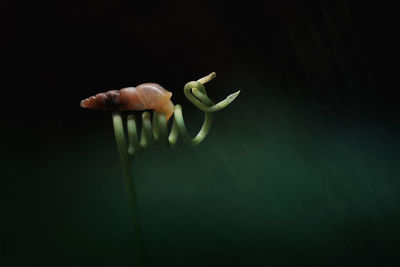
145 96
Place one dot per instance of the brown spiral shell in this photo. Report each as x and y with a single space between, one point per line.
145 96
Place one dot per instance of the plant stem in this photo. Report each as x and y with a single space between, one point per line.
130 187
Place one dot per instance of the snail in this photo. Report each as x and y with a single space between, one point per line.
145 96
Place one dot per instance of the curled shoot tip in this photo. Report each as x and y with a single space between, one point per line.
196 93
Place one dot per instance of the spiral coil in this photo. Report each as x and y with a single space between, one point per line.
155 131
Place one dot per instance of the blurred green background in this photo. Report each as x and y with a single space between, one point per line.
302 169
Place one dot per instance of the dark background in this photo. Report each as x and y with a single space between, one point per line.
303 168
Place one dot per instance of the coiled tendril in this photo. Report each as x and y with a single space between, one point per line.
155 131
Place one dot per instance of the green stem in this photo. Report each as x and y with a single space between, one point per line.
130 187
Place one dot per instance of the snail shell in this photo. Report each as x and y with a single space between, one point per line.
145 96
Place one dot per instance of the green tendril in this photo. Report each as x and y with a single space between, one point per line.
154 131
